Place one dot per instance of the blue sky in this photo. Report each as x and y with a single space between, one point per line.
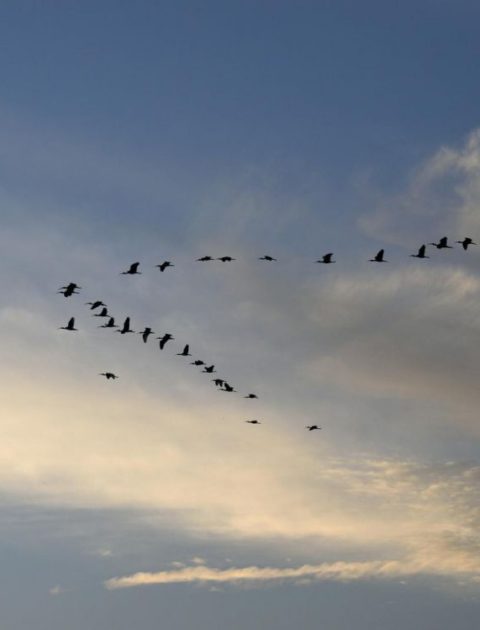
171 130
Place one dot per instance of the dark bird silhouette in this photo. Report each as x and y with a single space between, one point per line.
466 242
133 269
108 375
164 265
198 362
110 324
126 327
420 254
226 258
379 257
70 325
204 259
326 259
164 339
209 369
94 305
251 396
313 427
145 334
266 257
442 244
69 289
184 352
218 381
253 421
103 313
228 388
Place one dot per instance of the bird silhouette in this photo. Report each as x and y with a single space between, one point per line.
253 421
94 305
442 244
103 313
228 388
266 257
110 324
164 339
70 325
218 381
133 269
209 369
326 259
251 396
108 375
145 334
164 265
226 258
313 427
126 327
379 257
421 253
204 259
466 242
197 362
69 289
184 352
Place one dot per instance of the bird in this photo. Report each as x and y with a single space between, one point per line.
70 325
198 362
204 259
326 259
218 381
110 324
126 327
69 289
313 427
253 421
226 258
209 369
251 396
164 339
145 333
421 253
94 305
108 375
266 257
379 257
164 265
184 352
442 244
133 269
227 387
103 313
466 242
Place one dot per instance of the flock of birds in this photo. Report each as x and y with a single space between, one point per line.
222 385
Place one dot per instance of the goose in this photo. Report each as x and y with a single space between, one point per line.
110 324
204 259
266 257
421 253
108 375
126 327
145 334
164 265
133 269
164 339
253 421
94 305
226 258
209 369
313 427
326 259
184 352
466 242
251 396
379 257
70 325
442 244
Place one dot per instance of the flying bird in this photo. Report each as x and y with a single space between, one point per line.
210 369
133 269
218 381
69 289
313 427
184 352
466 242
251 396
266 257
204 259
226 258
94 305
253 421
421 253
103 313
108 375
145 334
379 257
110 324
227 387
126 327
442 244
164 339
198 362
70 325
326 259
164 265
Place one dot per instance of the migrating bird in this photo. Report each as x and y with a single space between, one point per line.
421 253
70 325
133 269
227 387
103 313
313 427
253 421
326 259
209 369
108 375
198 362
379 257
94 305
266 257
442 244
226 258
184 352
110 324
164 265
164 339
69 289
145 333
251 396
465 243
126 327
204 259
218 381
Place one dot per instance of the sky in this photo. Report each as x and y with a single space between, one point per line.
155 131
